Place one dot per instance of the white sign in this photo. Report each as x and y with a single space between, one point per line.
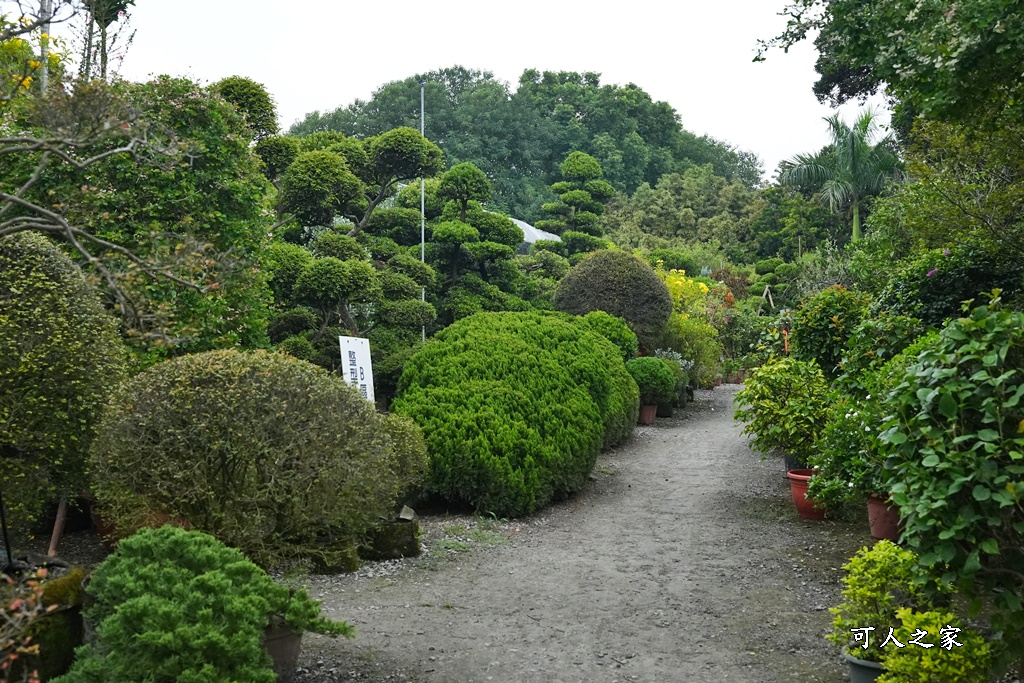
355 365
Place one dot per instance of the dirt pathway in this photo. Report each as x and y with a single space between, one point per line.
682 560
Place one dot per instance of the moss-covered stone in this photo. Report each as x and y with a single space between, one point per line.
391 540
59 633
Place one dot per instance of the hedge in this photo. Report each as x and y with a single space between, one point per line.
515 408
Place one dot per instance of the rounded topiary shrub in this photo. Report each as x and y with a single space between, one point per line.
515 407
621 284
614 330
824 323
654 378
268 453
60 356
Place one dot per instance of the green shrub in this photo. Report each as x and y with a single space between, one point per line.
932 284
173 605
620 284
290 323
784 406
515 407
654 378
341 247
955 465
958 654
879 581
60 357
874 341
823 324
269 454
697 341
411 459
614 330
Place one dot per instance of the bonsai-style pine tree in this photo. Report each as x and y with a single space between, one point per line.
581 196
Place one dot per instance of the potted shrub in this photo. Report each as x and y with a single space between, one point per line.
656 382
956 654
879 581
783 405
173 604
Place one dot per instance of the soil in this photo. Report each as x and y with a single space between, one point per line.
683 559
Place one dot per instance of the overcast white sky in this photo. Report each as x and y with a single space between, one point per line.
320 54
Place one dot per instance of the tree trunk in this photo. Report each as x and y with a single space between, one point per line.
856 221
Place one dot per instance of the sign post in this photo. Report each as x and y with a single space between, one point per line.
356 367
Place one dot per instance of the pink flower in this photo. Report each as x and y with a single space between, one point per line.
931 272
945 252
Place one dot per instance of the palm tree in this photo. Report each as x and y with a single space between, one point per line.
850 170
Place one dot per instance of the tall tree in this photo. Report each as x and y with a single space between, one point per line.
848 172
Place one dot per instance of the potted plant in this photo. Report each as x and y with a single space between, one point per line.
849 466
956 653
656 382
783 405
879 582
176 604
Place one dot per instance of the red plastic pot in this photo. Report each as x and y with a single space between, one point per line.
647 414
884 518
805 506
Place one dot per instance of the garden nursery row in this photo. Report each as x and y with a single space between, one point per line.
549 268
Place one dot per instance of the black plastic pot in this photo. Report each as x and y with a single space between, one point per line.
794 463
284 645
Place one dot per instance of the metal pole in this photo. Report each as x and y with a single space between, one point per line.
423 208
46 10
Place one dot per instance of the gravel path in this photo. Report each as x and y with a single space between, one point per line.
682 560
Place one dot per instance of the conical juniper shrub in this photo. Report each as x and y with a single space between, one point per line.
515 407
267 453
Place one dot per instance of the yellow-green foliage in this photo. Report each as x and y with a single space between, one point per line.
823 325
697 340
60 357
515 407
965 659
879 582
269 454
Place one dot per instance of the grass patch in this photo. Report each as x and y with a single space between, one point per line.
486 537
453 544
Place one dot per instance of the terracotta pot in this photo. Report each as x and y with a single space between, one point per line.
862 670
718 381
283 644
798 486
647 414
884 518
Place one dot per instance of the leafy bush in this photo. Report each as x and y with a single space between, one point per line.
697 341
932 284
878 582
176 605
656 381
515 407
60 357
959 654
846 455
874 342
955 449
620 284
823 324
614 330
783 404
269 454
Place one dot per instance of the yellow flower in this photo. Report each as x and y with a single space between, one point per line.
34 64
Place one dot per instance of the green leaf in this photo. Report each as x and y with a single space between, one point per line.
990 546
948 406
930 461
981 492
988 434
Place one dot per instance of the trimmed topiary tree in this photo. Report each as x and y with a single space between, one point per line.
60 357
515 408
268 453
621 284
614 330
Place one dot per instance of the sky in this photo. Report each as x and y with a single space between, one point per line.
321 54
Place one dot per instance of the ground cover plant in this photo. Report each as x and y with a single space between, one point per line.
515 408
268 453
